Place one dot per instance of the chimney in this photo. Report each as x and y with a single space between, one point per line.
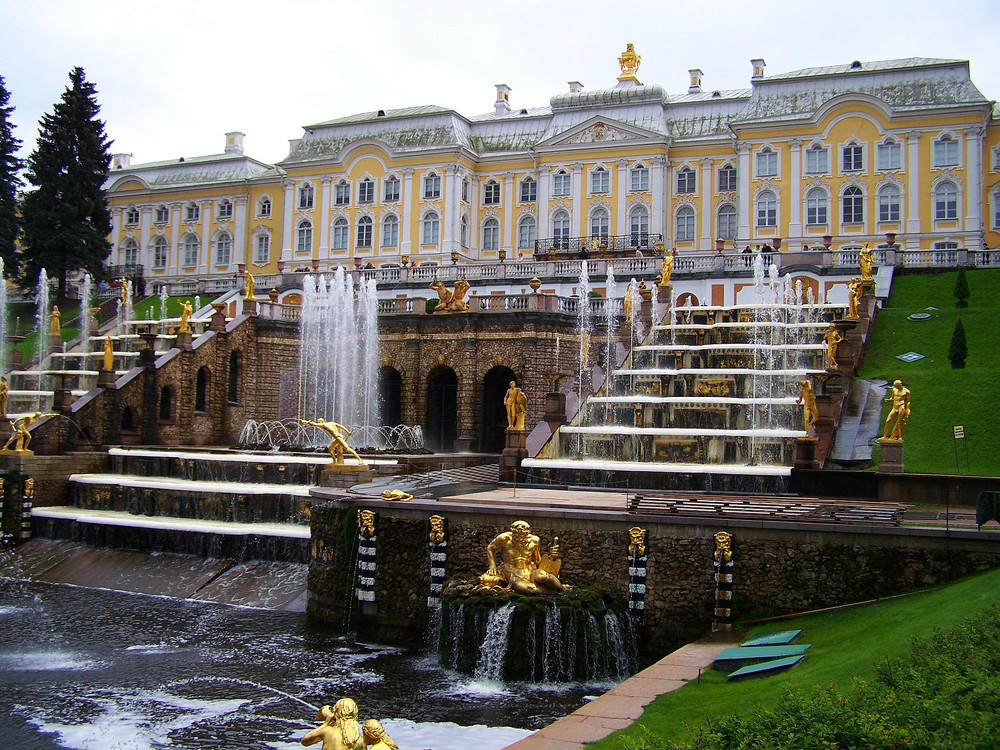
234 142
758 69
575 87
695 87
120 161
502 105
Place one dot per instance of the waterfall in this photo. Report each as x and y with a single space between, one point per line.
609 327
493 649
86 317
42 327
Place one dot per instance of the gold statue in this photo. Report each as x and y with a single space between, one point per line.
667 269
807 397
339 730
723 546
629 62
248 287
375 736
3 396
855 288
637 541
900 397
437 529
516 403
366 523
866 258
627 301
339 443
516 562
54 327
832 337
109 354
124 287
186 311
29 487
21 436
403 497
451 301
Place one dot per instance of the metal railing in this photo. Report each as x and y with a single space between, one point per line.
597 245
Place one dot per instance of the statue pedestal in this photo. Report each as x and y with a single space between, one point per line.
62 400
106 379
555 407
249 306
664 293
514 450
54 342
183 341
25 452
805 453
344 475
892 456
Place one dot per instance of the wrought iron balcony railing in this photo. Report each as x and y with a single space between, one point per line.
600 245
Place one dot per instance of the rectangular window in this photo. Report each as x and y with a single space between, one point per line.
817 161
432 186
366 191
262 250
225 210
816 210
526 234
529 191
465 190
160 252
686 181
430 232
342 194
491 194
306 197
264 208
132 217
600 181
640 179
767 163
889 156
340 231
946 152
852 158
190 252
727 179
391 190
192 212
162 215
561 184
390 233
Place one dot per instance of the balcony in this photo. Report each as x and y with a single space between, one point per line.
598 246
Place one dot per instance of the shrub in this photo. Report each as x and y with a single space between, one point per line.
961 289
957 349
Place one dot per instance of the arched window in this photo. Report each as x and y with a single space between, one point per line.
888 203
600 224
166 404
340 234
390 231
560 230
264 207
365 231
223 248
767 209
431 227
491 234
946 201
817 207
853 205
161 252
526 232
727 222
304 237
685 223
130 252
465 231
202 382
190 245
235 362
638 225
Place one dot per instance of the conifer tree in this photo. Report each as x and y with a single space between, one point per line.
958 350
65 220
961 289
10 180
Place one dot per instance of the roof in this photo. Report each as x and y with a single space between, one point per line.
195 170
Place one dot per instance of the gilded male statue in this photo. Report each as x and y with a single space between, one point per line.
186 311
109 354
516 403
3 396
339 730
339 443
900 397
516 562
21 436
807 397
248 287
832 337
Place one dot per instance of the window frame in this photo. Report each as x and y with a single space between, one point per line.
728 178
304 236
817 159
600 181
561 225
687 181
562 183
491 234
262 242
192 212
264 207
224 209
430 229
766 209
342 193
130 247
341 233
638 224
639 178
364 232
947 206
390 220
685 229
223 243
817 207
945 152
529 188
161 247
600 223
889 200
766 162
390 196
491 193
731 216
366 191
307 197
883 156
852 159
162 215
856 196
132 216
431 186
192 250
526 236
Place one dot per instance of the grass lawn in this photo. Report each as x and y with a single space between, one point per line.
845 644
942 397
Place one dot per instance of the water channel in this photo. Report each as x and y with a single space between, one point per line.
87 669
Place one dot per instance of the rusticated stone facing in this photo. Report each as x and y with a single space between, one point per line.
781 570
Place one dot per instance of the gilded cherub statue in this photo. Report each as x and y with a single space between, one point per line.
900 397
807 397
339 730
515 562
339 443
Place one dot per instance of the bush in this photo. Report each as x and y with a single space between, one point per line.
957 349
961 289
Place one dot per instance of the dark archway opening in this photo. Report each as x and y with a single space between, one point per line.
201 390
492 412
442 409
390 395
166 404
235 361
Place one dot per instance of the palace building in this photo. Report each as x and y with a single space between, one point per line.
899 151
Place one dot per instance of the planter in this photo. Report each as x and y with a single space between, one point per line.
827 240
777 243
890 238
720 245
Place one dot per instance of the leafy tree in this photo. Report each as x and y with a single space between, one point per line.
65 220
10 165
961 289
957 349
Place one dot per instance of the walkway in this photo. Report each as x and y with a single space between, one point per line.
623 705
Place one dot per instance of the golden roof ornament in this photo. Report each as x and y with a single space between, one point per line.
629 62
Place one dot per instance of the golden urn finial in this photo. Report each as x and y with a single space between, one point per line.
629 62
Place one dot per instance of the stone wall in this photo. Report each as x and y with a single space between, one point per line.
785 569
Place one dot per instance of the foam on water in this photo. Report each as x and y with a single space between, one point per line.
49 661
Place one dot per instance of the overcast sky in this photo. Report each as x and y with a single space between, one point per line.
173 78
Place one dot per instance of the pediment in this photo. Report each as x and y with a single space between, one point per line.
599 130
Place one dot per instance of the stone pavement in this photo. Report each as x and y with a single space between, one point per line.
623 705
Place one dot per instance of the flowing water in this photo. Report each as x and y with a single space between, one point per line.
93 669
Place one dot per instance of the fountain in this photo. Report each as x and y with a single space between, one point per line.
707 397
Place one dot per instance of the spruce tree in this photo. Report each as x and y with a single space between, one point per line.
961 289
10 180
65 220
958 350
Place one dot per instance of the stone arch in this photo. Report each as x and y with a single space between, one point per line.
492 412
390 393
442 408
202 382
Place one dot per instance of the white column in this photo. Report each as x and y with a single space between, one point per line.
146 222
544 188
658 190
743 192
476 236
449 211
240 252
116 228
578 217
974 182
622 226
206 238
507 242
286 227
795 198
174 265
324 221
913 186
706 243
668 199
405 222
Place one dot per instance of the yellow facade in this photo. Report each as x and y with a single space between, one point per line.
835 156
